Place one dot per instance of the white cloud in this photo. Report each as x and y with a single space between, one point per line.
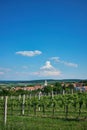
1 73
48 70
4 71
50 73
47 66
57 59
22 73
29 53
47 73
70 64
41 73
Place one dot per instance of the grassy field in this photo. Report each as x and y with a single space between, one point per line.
42 123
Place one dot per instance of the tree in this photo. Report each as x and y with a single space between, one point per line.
47 89
5 92
71 87
57 87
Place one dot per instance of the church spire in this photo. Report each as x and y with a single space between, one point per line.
45 84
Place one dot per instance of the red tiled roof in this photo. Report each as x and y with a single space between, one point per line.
85 88
29 88
18 88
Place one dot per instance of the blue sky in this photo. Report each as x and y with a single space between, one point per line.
43 39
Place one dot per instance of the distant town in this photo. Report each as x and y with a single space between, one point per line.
43 86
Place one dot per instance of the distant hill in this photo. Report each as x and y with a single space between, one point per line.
41 81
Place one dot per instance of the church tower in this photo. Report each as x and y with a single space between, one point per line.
45 84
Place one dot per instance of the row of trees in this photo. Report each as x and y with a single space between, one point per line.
58 88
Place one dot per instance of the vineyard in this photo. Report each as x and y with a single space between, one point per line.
69 107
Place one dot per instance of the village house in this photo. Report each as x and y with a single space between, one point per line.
29 88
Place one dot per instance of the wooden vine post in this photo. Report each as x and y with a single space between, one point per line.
5 109
23 103
39 97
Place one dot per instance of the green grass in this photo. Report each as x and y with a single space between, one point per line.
42 123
